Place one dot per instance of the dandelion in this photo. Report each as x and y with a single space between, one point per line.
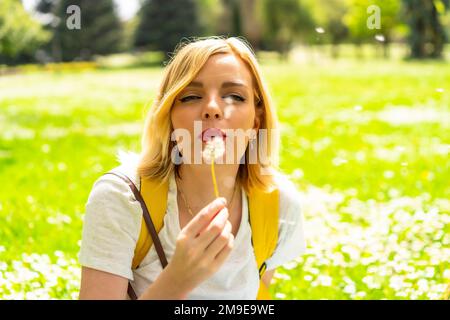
320 30
45 148
214 149
37 277
429 272
447 274
308 277
280 295
324 280
337 161
423 285
380 38
290 265
350 288
361 294
388 174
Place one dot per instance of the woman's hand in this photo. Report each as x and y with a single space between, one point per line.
202 246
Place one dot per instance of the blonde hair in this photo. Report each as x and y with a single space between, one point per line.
189 57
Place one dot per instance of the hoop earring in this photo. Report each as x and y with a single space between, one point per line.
253 143
176 155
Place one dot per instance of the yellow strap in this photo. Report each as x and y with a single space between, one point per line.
446 295
263 213
155 197
263 292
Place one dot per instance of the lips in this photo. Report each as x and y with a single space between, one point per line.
209 133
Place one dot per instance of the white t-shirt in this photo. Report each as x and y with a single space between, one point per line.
112 225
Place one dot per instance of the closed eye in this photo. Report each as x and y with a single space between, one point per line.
192 97
189 98
237 97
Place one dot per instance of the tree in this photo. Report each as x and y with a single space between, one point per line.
100 29
164 23
20 34
285 21
329 15
427 36
209 15
250 11
242 18
360 16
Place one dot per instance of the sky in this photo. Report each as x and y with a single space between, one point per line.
127 8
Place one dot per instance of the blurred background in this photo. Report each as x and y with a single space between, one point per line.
362 93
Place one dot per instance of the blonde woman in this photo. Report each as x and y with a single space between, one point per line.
216 83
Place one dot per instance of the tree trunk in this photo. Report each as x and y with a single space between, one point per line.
386 46
438 35
251 26
335 49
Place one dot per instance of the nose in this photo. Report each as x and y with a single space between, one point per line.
212 110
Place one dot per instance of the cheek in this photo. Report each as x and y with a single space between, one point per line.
181 117
174 118
244 117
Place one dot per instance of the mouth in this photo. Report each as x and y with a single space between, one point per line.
210 133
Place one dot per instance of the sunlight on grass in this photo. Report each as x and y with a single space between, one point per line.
367 144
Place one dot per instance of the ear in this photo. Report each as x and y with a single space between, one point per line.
258 116
256 123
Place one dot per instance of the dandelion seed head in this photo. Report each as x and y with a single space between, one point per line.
320 30
380 38
214 149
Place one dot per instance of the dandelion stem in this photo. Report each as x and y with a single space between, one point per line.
213 174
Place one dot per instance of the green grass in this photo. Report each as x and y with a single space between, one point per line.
366 142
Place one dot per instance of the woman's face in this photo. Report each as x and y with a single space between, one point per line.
221 96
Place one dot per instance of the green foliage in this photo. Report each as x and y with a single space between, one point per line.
209 12
164 23
357 17
329 15
20 34
285 21
426 33
100 33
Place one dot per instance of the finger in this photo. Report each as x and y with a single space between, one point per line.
219 242
204 217
213 229
224 253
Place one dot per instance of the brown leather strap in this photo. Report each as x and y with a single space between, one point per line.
131 292
149 223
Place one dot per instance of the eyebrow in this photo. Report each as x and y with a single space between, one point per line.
226 84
